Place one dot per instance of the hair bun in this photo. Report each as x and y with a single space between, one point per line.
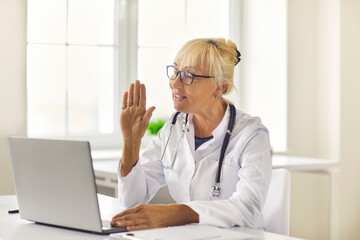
238 55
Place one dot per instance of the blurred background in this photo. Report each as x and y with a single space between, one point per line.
64 65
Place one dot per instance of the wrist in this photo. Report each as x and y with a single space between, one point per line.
130 141
188 215
125 169
131 147
130 156
193 217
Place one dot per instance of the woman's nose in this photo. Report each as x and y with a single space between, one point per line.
176 83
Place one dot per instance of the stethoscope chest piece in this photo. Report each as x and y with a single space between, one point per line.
216 190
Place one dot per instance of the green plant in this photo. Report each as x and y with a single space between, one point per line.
155 126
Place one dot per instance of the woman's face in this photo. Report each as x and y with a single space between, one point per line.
194 98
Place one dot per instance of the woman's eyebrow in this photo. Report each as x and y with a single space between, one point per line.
187 67
193 68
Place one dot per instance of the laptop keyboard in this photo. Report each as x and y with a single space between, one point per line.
106 223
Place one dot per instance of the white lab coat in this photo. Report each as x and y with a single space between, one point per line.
245 175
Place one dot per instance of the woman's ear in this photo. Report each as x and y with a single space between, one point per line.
220 90
225 88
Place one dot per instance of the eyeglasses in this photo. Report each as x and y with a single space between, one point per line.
186 77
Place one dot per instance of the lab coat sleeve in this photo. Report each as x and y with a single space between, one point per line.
144 180
244 207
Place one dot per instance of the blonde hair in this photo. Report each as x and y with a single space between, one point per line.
217 55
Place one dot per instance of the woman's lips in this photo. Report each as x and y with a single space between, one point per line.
178 98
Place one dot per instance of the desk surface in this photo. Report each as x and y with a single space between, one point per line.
13 228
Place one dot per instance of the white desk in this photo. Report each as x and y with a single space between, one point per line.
14 228
292 163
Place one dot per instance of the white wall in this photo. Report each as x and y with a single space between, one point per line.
349 177
12 82
302 59
313 77
313 99
324 115
265 64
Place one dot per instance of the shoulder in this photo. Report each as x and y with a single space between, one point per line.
245 124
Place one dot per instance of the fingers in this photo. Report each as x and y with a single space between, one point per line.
136 93
148 115
130 220
126 212
130 217
131 95
142 101
138 227
136 96
146 216
125 98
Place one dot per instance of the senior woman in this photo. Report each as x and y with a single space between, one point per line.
214 159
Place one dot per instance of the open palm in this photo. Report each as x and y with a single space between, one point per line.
134 118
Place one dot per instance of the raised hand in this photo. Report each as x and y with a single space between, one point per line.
134 118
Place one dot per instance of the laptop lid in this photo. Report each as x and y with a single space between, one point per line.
55 182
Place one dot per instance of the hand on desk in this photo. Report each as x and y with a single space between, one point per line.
146 216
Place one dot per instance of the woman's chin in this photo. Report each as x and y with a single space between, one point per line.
179 106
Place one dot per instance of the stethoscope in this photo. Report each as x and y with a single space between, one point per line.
216 187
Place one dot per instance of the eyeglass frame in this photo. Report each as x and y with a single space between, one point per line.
181 79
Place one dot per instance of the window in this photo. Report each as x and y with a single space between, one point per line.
73 59
82 54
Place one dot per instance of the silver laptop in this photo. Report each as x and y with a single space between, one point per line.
55 183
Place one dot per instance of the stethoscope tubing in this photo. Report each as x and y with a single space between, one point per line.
216 187
226 141
178 143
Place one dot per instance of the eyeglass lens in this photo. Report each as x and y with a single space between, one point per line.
185 77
